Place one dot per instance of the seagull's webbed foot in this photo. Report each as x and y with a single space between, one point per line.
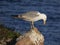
32 27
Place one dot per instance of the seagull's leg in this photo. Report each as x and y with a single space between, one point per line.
32 24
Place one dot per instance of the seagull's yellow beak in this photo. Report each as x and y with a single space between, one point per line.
44 22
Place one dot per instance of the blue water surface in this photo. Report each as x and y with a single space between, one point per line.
51 8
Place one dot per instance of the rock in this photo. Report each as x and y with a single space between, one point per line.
7 36
32 37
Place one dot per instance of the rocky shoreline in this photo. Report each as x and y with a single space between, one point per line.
7 35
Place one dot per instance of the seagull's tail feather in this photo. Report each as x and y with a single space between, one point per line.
16 16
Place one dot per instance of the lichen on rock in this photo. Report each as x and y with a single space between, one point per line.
7 36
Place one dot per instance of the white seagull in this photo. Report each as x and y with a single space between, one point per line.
32 16
32 37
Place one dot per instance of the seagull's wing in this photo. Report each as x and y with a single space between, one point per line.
30 15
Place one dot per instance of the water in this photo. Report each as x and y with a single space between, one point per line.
51 8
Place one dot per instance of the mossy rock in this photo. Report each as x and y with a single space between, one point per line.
7 33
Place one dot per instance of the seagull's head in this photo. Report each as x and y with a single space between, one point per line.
43 17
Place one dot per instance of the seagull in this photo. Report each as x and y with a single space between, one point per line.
32 37
32 16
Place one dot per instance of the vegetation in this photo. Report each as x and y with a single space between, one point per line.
7 33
